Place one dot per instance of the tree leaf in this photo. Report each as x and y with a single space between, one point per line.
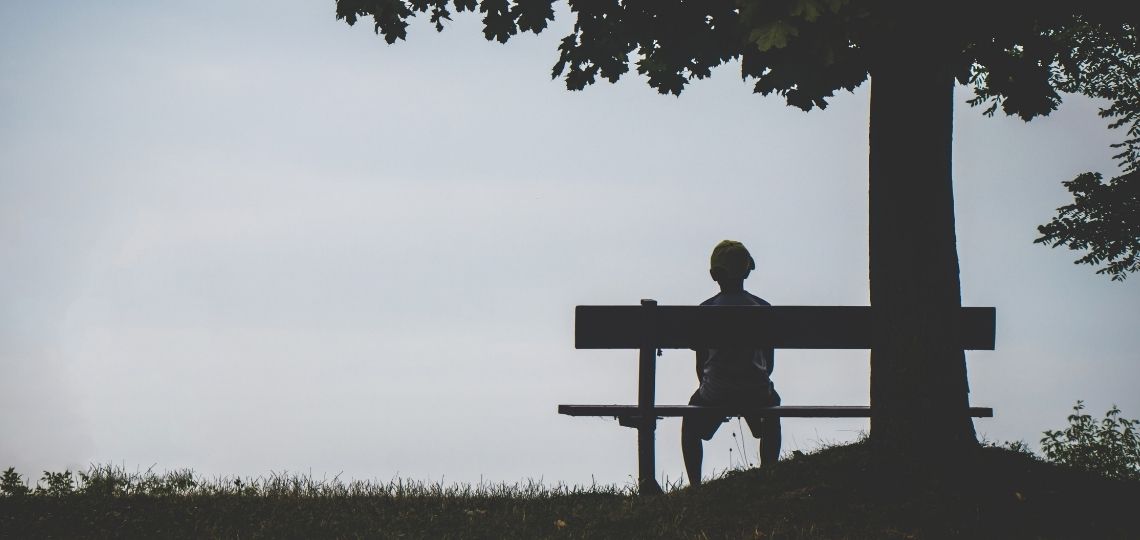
773 35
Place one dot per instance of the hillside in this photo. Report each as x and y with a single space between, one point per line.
833 493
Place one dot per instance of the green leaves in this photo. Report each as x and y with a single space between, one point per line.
498 24
57 484
805 50
1110 447
533 15
52 484
12 485
774 24
1103 61
810 10
773 35
501 20
800 49
1103 219
1025 72
389 17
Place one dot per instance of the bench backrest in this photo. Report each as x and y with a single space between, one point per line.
783 327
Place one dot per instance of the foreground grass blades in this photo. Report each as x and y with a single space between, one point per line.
833 493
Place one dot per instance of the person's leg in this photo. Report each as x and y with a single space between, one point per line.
771 439
770 442
694 429
692 450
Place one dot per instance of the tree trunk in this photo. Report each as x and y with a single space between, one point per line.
919 392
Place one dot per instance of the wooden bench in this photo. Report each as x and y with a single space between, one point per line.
650 327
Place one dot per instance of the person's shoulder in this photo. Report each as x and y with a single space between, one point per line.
712 301
757 299
741 298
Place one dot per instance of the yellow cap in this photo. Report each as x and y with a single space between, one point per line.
733 258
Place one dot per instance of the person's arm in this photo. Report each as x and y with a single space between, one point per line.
702 358
770 353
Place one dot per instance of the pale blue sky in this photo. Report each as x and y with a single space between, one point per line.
243 237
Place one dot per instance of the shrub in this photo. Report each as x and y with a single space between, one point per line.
11 484
56 484
1110 447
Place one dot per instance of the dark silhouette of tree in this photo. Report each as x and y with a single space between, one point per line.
1017 55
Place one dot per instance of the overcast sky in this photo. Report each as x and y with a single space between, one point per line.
243 237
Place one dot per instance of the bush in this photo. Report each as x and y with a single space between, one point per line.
11 484
56 484
1110 447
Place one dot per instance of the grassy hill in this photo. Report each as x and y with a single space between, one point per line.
833 493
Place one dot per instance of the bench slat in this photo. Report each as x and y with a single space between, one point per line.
831 411
785 327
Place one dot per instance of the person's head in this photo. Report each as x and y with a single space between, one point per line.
730 263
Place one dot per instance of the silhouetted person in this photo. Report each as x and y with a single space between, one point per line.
731 377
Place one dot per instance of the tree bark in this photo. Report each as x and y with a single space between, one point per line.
919 391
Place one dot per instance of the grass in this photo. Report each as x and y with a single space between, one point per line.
836 492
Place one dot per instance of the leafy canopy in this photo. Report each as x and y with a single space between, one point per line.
804 50
1019 57
1104 218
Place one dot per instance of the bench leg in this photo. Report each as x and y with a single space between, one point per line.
646 462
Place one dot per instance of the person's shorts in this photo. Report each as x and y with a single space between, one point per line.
705 426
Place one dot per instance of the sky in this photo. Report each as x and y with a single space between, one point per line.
242 237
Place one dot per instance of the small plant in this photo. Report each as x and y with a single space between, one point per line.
1021 447
56 484
1110 447
743 462
12 485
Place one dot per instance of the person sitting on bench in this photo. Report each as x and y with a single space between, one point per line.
731 377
